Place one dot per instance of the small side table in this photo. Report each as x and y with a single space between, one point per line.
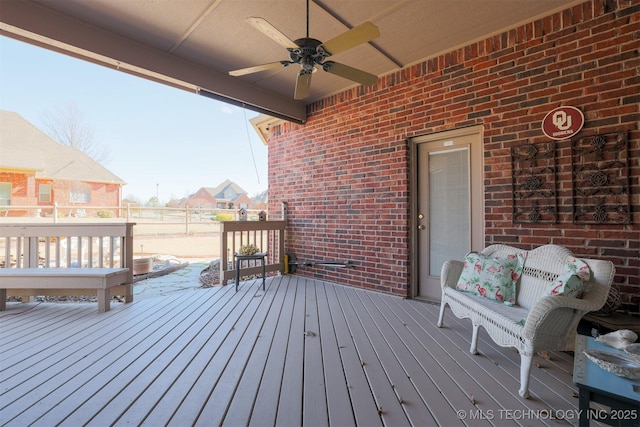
612 322
597 385
261 256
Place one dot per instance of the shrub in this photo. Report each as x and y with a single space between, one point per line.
249 249
224 217
105 214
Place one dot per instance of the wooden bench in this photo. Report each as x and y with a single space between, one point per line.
46 259
101 279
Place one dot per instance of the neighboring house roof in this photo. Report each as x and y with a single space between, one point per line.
226 191
17 147
25 147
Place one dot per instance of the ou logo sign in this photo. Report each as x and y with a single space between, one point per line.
562 122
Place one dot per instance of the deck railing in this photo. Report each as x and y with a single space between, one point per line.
111 245
84 245
24 245
268 236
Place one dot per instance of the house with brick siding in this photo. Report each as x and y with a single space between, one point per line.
227 195
365 176
37 172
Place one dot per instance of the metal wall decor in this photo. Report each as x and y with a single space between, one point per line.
534 183
600 166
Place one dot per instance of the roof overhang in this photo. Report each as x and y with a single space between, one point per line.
193 45
47 28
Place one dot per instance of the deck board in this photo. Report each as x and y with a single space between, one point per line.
338 403
391 351
314 394
216 406
168 373
220 349
289 408
387 402
303 351
264 409
419 363
133 358
156 373
49 367
365 410
248 381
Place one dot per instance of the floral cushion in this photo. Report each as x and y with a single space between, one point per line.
492 277
573 282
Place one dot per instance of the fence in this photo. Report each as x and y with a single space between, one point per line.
184 220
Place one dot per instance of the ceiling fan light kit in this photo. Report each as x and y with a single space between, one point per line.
311 54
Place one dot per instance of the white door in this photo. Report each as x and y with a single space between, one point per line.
449 215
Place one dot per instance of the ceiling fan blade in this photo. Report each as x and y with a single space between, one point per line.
272 32
350 73
303 85
361 34
258 68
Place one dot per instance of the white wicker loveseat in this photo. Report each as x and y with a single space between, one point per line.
537 321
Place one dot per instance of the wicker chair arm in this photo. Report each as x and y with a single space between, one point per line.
450 273
547 307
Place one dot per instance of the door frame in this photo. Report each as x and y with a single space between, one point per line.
414 142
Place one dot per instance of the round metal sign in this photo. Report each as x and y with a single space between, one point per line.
562 122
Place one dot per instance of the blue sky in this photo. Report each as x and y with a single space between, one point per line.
158 138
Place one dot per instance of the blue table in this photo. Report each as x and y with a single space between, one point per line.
261 256
598 385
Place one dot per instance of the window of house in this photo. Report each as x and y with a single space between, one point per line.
44 193
5 193
80 196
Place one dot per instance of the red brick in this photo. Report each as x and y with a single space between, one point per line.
338 171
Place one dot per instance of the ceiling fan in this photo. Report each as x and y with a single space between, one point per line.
310 53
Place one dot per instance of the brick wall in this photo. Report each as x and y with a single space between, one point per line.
104 194
345 172
25 193
22 189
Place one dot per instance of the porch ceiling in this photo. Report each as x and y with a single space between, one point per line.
193 44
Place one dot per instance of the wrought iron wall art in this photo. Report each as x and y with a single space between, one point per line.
534 183
600 167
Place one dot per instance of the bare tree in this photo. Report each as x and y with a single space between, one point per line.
67 126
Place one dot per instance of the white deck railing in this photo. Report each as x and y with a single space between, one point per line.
268 236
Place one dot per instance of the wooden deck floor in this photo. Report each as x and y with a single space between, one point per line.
304 352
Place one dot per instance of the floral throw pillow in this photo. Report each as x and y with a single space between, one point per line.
573 282
492 277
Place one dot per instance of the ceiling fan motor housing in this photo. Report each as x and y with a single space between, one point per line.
307 55
311 54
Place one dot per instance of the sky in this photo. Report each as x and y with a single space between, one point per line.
160 140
